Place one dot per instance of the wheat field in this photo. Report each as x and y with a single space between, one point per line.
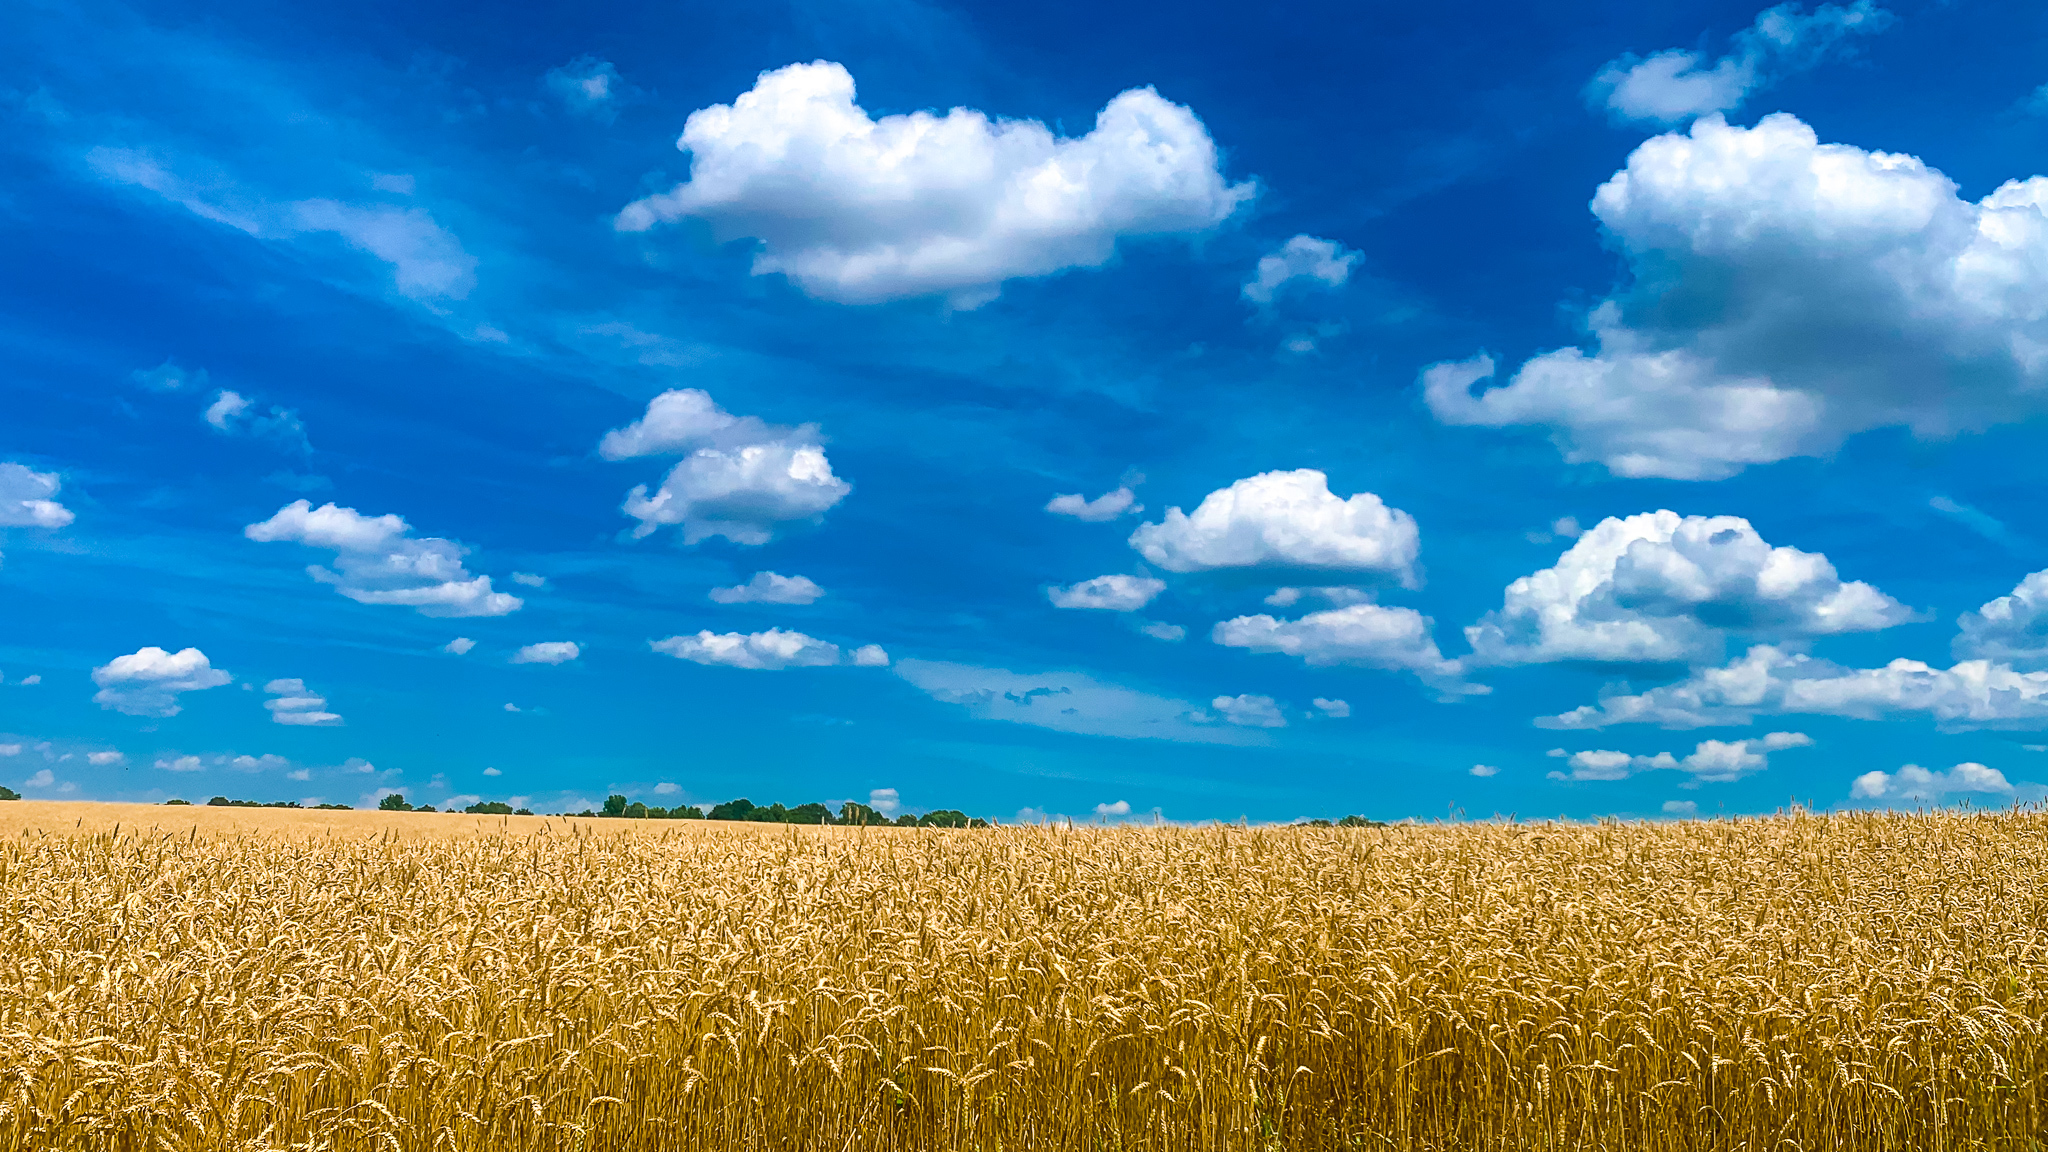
269 980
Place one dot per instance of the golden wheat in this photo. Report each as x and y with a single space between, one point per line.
286 980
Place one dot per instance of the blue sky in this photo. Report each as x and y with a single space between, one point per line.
1050 411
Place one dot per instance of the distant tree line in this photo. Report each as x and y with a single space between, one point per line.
396 803
9 794
618 807
224 802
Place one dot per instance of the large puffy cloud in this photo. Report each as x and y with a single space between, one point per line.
1768 680
293 703
1305 258
1714 761
147 682
377 560
1677 84
26 498
1912 782
2012 628
1116 593
739 478
1659 586
772 650
860 210
1395 639
1069 702
1784 295
1285 521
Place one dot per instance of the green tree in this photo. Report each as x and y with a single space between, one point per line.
773 814
489 808
943 818
906 821
614 805
810 814
859 814
392 803
635 811
731 810
9 794
690 813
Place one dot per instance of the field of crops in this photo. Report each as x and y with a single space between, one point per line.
224 980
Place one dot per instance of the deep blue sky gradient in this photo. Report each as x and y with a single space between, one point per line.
1452 145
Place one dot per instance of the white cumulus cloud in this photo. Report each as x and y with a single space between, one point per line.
459 645
378 561
1784 294
772 650
1160 630
147 682
1912 782
1113 809
1307 259
885 800
2013 628
27 498
1393 639
1249 711
770 588
1714 761
860 210
1334 709
1107 506
1660 587
548 652
1109 593
1676 84
298 705
1769 680
739 477
1337 595
1285 520
104 758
